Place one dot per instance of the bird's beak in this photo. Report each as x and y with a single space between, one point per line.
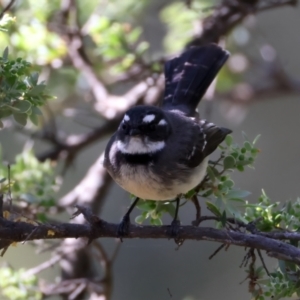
134 132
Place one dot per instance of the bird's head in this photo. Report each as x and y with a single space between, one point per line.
143 130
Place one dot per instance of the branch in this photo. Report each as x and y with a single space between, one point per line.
20 231
92 188
274 84
7 8
108 105
229 14
72 144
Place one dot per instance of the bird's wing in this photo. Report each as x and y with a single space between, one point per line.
207 138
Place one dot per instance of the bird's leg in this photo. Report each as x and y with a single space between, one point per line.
195 200
175 223
123 228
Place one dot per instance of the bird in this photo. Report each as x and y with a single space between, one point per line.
161 153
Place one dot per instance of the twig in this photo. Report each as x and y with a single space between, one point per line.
1 205
93 186
246 258
263 261
45 265
72 144
9 187
7 8
195 200
277 4
217 250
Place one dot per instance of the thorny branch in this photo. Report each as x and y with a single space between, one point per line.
97 228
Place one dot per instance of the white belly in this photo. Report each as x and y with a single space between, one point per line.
142 183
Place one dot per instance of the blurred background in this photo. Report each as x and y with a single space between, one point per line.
100 58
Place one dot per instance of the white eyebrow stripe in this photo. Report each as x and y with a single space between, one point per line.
162 122
148 118
126 118
136 146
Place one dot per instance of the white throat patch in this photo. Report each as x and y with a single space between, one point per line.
137 146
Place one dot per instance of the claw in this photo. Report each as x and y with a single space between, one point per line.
174 229
123 228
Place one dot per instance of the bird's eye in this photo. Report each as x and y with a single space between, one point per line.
124 126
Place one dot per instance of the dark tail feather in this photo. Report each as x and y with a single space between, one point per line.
214 136
189 75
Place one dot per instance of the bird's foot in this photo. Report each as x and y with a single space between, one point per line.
174 231
174 228
123 228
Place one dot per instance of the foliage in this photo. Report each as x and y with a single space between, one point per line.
21 94
180 21
33 182
117 42
5 22
18 285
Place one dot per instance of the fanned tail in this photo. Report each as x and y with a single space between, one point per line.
189 75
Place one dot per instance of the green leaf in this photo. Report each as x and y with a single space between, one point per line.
235 213
228 140
42 217
237 194
229 162
223 218
247 145
240 168
211 174
23 105
140 219
256 139
1 124
20 118
2 180
214 209
146 205
190 194
170 208
34 119
5 54
34 78
134 35
228 183
245 136
156 222
37 90
5 112
36 110
12 108
142 47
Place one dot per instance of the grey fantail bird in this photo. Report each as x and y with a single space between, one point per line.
159 153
